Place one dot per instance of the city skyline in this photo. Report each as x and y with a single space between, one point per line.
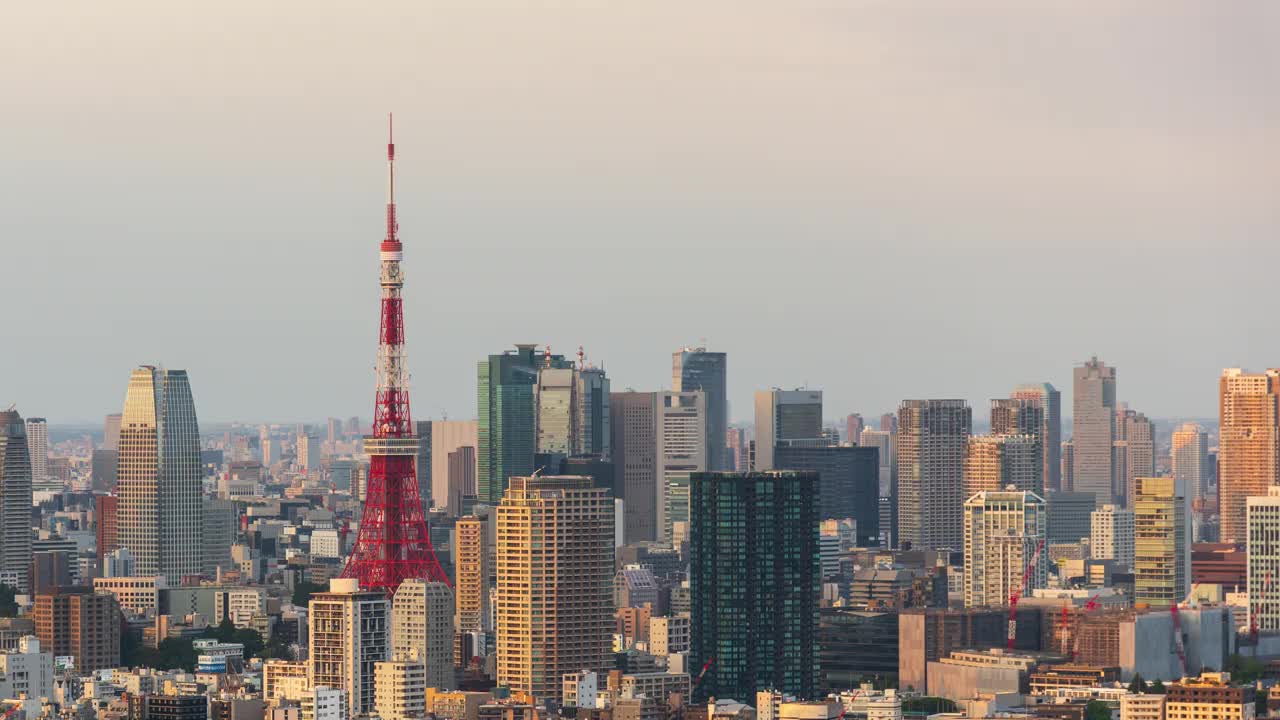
939 160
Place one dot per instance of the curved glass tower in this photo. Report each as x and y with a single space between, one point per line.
15 501
160 512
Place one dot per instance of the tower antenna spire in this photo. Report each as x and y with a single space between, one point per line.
393 544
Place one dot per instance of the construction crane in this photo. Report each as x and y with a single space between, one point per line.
1017 594
1089 607
1178 645
703 672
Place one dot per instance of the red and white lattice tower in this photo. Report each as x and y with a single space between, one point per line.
393 544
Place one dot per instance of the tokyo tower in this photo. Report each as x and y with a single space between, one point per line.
393 544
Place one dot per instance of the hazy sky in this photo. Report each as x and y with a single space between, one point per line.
879 199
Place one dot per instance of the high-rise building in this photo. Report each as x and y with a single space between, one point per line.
38 449
76 622
1068 453
1189 460
1161 556
1093 418
506 433
885 444
471 547
853 427
1070 515
783 417
400 688
848 485
933 436
422 628
684 451
995 462
15 502
1248 443
694 369
106 509
308 452
555 582
462 478
103 468
754 581
1262 516
111 431
737 450
1111 535
889 423
422 465
448 436
658 440
1002 531
349 636
221 524
160 512
1134 451
591 410
555 395
1049 401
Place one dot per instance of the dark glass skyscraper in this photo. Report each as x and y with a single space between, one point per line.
696 369
754 582
848 483
505 405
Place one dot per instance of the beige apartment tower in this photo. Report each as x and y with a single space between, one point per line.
555 582
422 629
349 636
471 584
1248 443
1189 459
1002 531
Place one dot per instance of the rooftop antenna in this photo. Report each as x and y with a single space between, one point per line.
546 356
582 363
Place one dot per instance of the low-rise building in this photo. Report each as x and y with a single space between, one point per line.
1209 697
1135 706
964 674
1052 677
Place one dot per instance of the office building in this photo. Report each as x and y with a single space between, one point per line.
995 462
461 479
695 369
1093 418
848 487
1189 460
505 433
853 427
106 510
26 672
591 411
350 635
111 431
1161 555
448 437
658 440
79 623
160 511
554 422
1212 696
471 586
1048 401
422 616
38 450
1248 443
308 453
884 443
15 501
786 417
422 464
754 594
102 470
933 436
1070 516
737 450
1003 529
1111 535
400 689
554 573
221 528
1134 451
168 706
1262 517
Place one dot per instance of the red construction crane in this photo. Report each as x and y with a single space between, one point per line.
1089 607
705 667
1017 594
1178 645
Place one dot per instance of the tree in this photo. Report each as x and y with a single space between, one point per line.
1138 686
302 592
1097 710
1244 670
1156 688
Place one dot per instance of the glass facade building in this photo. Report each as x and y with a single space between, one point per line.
848 484
161 511
505 390
15 502
754 582
693 368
